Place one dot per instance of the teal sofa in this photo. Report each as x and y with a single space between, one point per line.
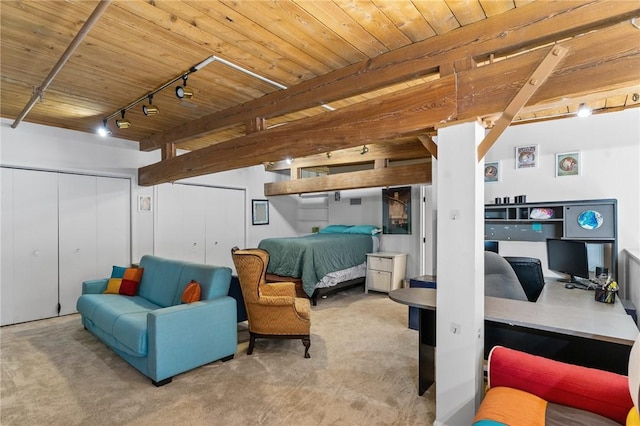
154 331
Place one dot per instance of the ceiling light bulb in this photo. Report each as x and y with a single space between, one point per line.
104 130
584 111
364 150
289 160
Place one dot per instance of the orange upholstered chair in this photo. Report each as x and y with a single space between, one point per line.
273 310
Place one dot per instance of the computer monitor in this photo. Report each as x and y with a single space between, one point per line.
569 257
491 246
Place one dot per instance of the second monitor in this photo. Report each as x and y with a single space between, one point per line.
569 257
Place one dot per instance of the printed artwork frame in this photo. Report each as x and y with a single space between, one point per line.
260 212
568 164
492 171
396 210
527 157
145 203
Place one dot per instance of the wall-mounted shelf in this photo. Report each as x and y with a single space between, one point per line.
554 219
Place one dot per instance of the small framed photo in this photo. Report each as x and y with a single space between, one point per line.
492 172
568 164
526 157
260 212
144 203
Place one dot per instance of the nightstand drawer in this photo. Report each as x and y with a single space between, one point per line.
380 263
379 280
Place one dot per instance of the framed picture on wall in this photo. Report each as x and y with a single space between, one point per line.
144 203
396 210
492 171
260 212
526 157
568 164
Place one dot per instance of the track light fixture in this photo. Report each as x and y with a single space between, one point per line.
150 109
364 150
123 124
184 91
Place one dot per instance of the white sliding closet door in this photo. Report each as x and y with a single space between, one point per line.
225 224
113 224
199 223
58 230
180 232
29 245
94 231
78 235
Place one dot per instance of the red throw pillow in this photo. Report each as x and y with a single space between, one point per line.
191 292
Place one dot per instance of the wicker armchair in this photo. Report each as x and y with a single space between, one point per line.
273 310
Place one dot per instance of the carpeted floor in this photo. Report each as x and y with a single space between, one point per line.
362 371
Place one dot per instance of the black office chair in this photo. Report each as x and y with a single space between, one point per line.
529 272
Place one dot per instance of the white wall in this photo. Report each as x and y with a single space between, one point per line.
46 148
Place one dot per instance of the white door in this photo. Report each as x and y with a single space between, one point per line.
29 245
77 237
180 231
113 224
225 224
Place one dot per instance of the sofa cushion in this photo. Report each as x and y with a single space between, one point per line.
509 406
130 333
161 280
214 280
124 318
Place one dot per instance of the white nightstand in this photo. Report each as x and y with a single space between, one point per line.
385 271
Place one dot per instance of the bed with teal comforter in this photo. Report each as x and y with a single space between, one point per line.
313 256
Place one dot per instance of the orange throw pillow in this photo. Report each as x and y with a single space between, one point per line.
191 292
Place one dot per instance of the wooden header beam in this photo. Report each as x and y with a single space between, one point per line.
553 58
398 175
392 150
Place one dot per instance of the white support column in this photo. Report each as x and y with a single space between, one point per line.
460 266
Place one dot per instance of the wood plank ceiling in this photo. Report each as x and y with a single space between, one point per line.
290 78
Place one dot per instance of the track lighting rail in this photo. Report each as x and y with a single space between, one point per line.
181 76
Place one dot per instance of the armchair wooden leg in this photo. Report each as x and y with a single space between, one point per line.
306 341
252 342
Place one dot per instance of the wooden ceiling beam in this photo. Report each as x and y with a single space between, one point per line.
520 28
385 117
392 150
388 176
461 97
550 61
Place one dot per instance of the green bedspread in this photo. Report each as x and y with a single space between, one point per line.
313 256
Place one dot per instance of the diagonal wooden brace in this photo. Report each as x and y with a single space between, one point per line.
538 77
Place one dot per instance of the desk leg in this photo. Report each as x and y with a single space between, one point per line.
427 350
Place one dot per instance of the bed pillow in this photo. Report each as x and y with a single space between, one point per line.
362 229
334 229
